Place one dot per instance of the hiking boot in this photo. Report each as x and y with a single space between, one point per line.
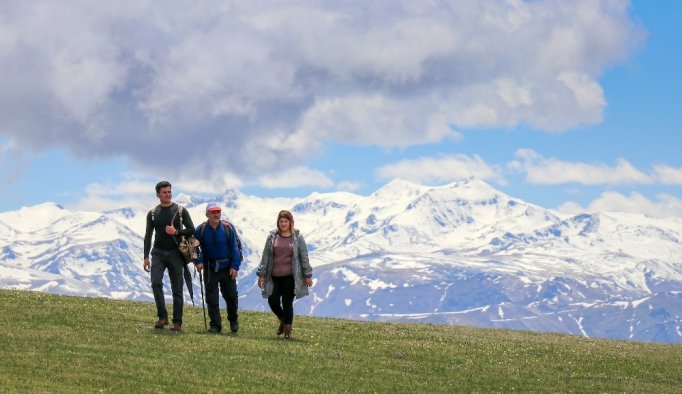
214 330
160 323
176 327
287 331
234 326
280 330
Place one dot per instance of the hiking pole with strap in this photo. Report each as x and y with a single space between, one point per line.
203 307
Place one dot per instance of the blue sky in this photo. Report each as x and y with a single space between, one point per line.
568 105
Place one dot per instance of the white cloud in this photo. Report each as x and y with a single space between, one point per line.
663 206
550 171
126 188
668 175
295 177
372 120
132 193
450 168
136 189
348 186
217 183
571 208
267 83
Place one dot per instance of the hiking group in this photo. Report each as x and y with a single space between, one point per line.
284 272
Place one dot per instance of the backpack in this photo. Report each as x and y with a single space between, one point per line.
229 229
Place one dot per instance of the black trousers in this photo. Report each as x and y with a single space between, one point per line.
222 281
282 299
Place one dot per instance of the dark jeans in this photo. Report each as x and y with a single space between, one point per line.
228 288
171 259
282 299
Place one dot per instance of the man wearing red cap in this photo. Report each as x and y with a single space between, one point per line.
220 259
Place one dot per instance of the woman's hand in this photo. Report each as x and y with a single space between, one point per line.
308 282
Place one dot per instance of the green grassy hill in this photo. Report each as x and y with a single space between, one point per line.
52 343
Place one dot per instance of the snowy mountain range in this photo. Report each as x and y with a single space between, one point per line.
462 253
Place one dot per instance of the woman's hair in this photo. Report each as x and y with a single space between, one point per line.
286 214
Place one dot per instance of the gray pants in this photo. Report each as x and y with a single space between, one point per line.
171 259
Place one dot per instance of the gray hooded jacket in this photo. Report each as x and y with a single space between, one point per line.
300 265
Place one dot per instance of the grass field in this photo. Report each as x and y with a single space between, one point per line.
51 343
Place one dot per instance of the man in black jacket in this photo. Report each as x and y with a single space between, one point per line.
166 220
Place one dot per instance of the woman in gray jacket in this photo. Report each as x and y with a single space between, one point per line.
284 272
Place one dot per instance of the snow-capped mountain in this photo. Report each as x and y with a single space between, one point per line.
462 253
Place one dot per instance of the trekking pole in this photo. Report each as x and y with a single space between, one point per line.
203 307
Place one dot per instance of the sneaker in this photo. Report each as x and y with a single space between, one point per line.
160 323
234 326
214 330
176 327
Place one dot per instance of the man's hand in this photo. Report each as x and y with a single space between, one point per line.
146 264
233 273
261 282
170 230
199 267
308 282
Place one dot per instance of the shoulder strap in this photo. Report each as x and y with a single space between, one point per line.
230 231
233 231
155 211
201 231
178 210
226 226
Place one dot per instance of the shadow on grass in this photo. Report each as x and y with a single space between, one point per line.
280 339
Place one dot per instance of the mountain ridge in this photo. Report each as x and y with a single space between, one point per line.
460 253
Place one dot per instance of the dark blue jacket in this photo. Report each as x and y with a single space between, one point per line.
215 249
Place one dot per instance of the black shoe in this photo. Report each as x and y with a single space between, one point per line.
214 330
234 326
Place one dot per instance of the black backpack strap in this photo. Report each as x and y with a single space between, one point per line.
230 232
202 227
155 212
234 234
227 226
